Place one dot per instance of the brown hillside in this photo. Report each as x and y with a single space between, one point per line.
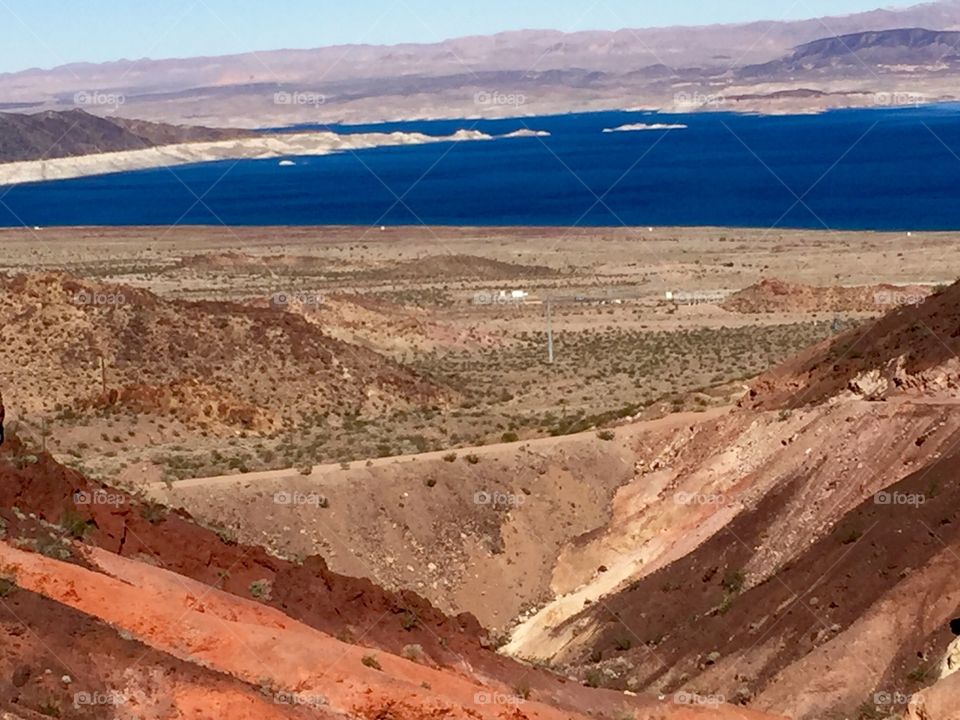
219 365
798 554
778 296
70 133
136 605
911 350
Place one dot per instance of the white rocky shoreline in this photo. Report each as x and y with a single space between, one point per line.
257 148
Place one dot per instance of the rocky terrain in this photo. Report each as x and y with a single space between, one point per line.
179 532
164 617
71 345
812 519
818 525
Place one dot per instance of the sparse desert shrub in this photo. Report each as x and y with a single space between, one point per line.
153 513
606 435
522 689
733 581
409 620
22 461
623 644
305 469
413 652
371 662
261 589
473 459
8 583
50 709
868 710
75 525
430 482
851 537
50 546
593 678
450 457
225 535
509 437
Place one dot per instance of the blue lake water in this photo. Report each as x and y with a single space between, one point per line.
879 169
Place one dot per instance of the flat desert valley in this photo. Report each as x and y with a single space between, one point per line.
453 320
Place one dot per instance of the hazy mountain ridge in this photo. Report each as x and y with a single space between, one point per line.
870 51
524 72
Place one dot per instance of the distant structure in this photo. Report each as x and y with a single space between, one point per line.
501 297
513 296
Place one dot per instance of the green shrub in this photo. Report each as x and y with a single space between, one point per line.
409 620
733 581
261 589
593 678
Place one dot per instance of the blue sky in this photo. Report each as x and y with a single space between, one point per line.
45 33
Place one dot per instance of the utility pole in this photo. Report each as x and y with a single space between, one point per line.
103 375
549 332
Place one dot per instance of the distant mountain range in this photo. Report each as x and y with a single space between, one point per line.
872 51
762 66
